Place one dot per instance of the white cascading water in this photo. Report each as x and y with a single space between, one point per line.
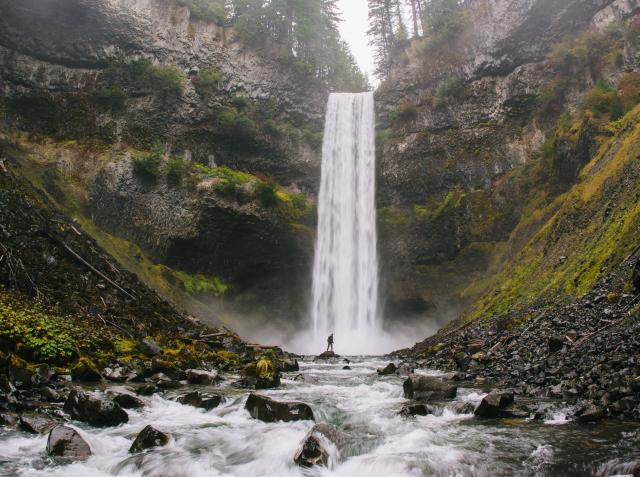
345 273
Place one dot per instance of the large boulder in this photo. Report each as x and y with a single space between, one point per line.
269 410
97 412
199 376
290 366
495 405
66 442
261 374
202 401
327 355
36 424
388 370
590 413
149 348
428 388
24 375
128 401
315 448
149 438
417 410
86 370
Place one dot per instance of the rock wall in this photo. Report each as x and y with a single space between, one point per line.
459 136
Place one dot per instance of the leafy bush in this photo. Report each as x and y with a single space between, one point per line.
147 166
629 88
209 81
237 126
175 169
313 138
166 80
267 193
603 99
113 98
43 337
404 113
449 87
209 10
202 284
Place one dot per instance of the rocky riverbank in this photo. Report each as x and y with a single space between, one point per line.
584 352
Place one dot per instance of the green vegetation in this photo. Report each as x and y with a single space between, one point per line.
37 334
209 82
175 169
405 113
165 80
448 88
208 10
200 284
112 97
147 166
603 99
237 127
267 193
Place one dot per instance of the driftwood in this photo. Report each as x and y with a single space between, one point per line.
92 268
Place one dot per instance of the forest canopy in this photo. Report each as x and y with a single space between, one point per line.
302 32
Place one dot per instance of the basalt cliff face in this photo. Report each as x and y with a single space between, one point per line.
166 135
483 137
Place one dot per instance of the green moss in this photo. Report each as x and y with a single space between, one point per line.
209 82
434 210
405 113
147 166
175 169
201 284
112 97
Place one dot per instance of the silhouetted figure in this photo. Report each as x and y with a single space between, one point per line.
330 342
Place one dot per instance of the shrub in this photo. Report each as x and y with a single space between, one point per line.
629 88
166 80
445 19
313 138
405 113
209 81
237 126
603 99
267 193
113 98
147 166
208 10
175 169
449 87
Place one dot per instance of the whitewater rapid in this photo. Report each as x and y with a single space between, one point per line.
227 442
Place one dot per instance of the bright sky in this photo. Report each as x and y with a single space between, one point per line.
354 31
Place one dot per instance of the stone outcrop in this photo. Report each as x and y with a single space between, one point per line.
66 442
428 388
270 410
148 438
92 410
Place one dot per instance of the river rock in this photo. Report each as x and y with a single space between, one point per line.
494 405
269 410
65 441
428 388
149 438
315 449
85 370
147 390
590 413
128 401
346 368
202 401
35 424
388 370
417 410
327 355
22 374
305 378
97 412
290 366
199 376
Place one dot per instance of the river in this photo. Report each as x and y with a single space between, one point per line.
228 442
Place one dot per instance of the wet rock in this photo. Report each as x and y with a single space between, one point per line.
147 390
462 407
417 410
479 356
8 419
428 388
405 369
269 410
290 366
97 412
49 394
167 368
128 401
388 370
163 381
202 401
590 413
305 378
261 374
22 374
65 441
494 405
327 355
148 438
115 375
149 348
346 368
555 343
197 376
315 448
86 370
36 424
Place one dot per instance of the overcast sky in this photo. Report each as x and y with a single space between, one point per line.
354 31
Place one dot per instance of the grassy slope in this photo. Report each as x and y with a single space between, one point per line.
592 228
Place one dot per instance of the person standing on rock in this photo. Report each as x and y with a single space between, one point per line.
330 342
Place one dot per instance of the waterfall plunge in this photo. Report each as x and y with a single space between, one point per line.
345 272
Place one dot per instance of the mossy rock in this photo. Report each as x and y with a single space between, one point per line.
86 370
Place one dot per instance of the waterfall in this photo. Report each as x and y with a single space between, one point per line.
345 272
